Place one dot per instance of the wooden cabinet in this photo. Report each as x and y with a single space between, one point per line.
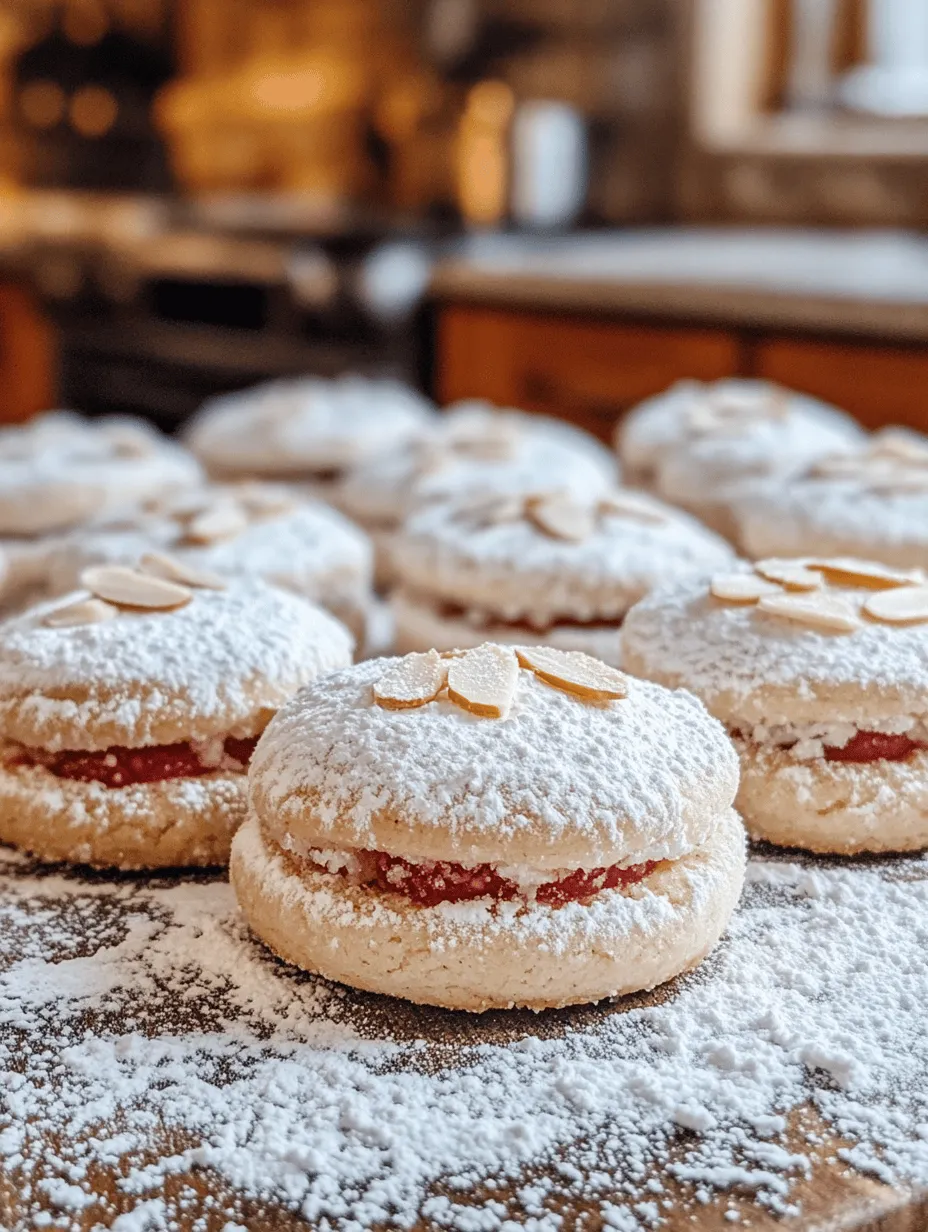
587 371
27 367
879 384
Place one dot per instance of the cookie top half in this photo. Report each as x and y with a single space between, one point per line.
695 435
552 554
64 470
790 642
306 425
85 672
529 756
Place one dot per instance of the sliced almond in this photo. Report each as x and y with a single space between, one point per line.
128 588
83 612
495 510
265 501
901 481
562 518
792 574
849 571
902 606
631 505
905 446
484 680
415 680
574 672
741 587
221 521
160 565
818 611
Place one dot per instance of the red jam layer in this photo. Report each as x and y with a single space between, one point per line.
452 611
874 746
121 767
439 881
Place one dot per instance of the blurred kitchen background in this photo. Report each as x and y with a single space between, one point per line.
557 204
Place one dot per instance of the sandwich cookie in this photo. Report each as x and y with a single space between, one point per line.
871 503
472 449
308 430
818 667
241 530
129 711
59 471
547 567
703 446
499 827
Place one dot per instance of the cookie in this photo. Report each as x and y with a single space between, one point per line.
702 446
546 567
491 829
249 529
58 471
818 667
473 448
871 503
307 429
129 711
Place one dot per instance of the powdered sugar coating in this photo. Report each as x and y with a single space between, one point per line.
297 426
308 548
545 453
516 571
751 667
660 428
835 517
64 470
559 783
219 664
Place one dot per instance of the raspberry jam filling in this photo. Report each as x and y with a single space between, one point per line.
441 881
122 767
453 611
874 746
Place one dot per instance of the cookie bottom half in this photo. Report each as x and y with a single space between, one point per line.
485 955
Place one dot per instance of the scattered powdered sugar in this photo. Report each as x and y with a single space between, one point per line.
144 1036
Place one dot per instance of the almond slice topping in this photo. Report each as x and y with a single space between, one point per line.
849 571
792 574
562 518
819 611
741 587
415 680
128 588
495 510
484 680
902 606
83 612
222 521
574 672
160 565
630 505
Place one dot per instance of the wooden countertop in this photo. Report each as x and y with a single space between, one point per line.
74 944
871 283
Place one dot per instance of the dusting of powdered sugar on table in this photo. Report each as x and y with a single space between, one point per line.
144 1036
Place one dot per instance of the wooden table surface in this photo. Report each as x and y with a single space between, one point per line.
832 1197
